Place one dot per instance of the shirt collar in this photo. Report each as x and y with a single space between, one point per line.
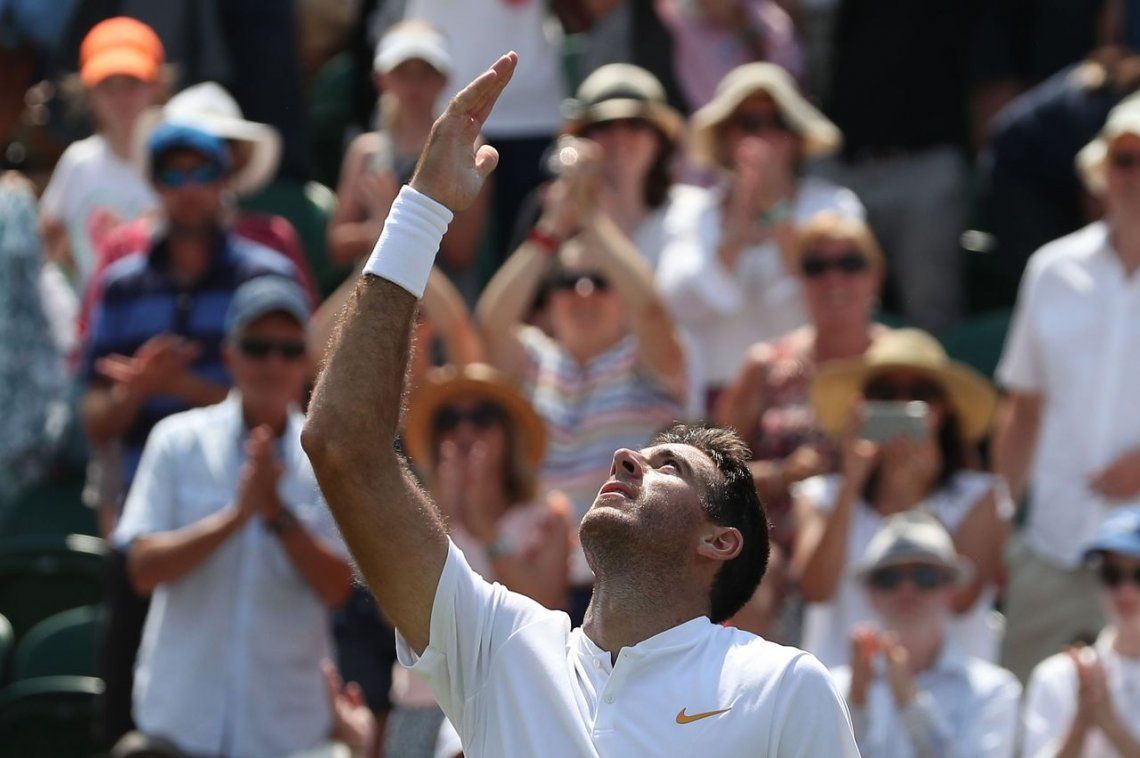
236 424
675 638
159 253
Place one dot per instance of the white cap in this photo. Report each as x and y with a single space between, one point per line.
412 40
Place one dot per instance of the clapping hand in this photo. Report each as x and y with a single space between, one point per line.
451 170
156 368
353 722
257 488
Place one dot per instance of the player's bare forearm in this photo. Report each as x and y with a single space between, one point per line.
389 525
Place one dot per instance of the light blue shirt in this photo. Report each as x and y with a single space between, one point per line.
965 707
230 656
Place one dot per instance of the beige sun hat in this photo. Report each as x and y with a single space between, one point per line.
839 383
621 90
820 136
479 381
912 537
1123 119
209 108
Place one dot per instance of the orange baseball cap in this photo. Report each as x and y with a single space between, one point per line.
120 45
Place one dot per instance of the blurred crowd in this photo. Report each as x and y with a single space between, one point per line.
893 244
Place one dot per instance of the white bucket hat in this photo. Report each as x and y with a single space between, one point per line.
1091 160
412 40
208 107
820 136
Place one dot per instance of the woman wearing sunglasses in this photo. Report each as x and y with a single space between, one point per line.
478 443
909 419
726 272
840 269
1086 702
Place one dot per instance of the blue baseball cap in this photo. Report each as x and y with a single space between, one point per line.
1119 533
169 137
262 296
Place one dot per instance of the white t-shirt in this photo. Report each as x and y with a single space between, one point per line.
827 626
726 312
479 31
516 681
90 176
1051 702
1075 339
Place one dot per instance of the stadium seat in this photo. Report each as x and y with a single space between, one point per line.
49 717
52 507
64 644
978 340
41 576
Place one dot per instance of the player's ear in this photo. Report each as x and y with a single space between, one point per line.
720 543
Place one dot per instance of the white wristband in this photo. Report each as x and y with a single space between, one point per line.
406 250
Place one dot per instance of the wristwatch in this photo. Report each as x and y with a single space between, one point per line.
778 213
500 548
283 522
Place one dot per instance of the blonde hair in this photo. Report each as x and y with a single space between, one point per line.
832 227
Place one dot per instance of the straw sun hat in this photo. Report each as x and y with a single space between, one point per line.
209 108
621 90
1091 160
475 381
820 136
839 383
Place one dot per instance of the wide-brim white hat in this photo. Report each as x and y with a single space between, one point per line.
819 135
1092 159
208 107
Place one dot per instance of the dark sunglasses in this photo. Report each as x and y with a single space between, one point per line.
568 280
260 349
756 124
632 124
814 264
1111 575
923 577
207 173
884 388
482 416
1124 161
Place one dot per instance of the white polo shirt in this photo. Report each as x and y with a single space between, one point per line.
1051 702
1075 339
230 657
516 681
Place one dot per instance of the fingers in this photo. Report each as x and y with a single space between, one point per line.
355 694
333 682
486 159
259 442
478 98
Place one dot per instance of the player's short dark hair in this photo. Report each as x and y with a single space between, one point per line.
730 500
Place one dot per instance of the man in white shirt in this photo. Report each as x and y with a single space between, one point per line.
676 538
911 691
1070 427
225 523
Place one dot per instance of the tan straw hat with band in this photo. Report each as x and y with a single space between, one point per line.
820 136
475 381
839 383
621 90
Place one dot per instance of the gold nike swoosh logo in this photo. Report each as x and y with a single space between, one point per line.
688 718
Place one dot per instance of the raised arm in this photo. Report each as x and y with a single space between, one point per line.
391 527
658 342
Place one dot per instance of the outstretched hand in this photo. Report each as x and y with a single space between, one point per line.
452 168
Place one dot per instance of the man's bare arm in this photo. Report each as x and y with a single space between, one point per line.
390 525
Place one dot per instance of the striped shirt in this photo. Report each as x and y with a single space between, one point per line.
590 411
140 300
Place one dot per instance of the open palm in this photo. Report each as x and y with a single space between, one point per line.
451 169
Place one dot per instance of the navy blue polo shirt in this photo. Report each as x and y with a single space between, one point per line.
140 300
